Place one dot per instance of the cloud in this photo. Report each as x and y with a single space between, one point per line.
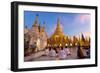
82 18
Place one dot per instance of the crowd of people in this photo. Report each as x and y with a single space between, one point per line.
59 52
63 52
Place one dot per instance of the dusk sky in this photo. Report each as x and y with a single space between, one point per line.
71 23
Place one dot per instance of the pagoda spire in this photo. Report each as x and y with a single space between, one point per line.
82 37
58 25
36 21
58 21
58 30
57 38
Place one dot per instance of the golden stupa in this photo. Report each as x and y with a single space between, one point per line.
58 38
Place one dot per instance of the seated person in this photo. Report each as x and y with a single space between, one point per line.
52 52
67 50
62 54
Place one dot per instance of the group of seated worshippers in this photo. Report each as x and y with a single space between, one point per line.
59 52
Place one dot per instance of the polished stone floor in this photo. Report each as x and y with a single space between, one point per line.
40 57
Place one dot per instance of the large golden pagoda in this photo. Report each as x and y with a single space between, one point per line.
58 38
58 31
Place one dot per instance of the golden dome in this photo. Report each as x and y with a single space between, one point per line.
58 38
58 32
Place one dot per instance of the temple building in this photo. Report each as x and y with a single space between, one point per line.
58 38
36 37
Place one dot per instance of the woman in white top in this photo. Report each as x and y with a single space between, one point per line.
67 51
52 52
62 54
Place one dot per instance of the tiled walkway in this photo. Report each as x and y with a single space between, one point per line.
39 56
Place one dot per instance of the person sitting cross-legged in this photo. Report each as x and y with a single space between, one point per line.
62 53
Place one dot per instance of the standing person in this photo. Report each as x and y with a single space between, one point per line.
62 54
88 52
80 54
